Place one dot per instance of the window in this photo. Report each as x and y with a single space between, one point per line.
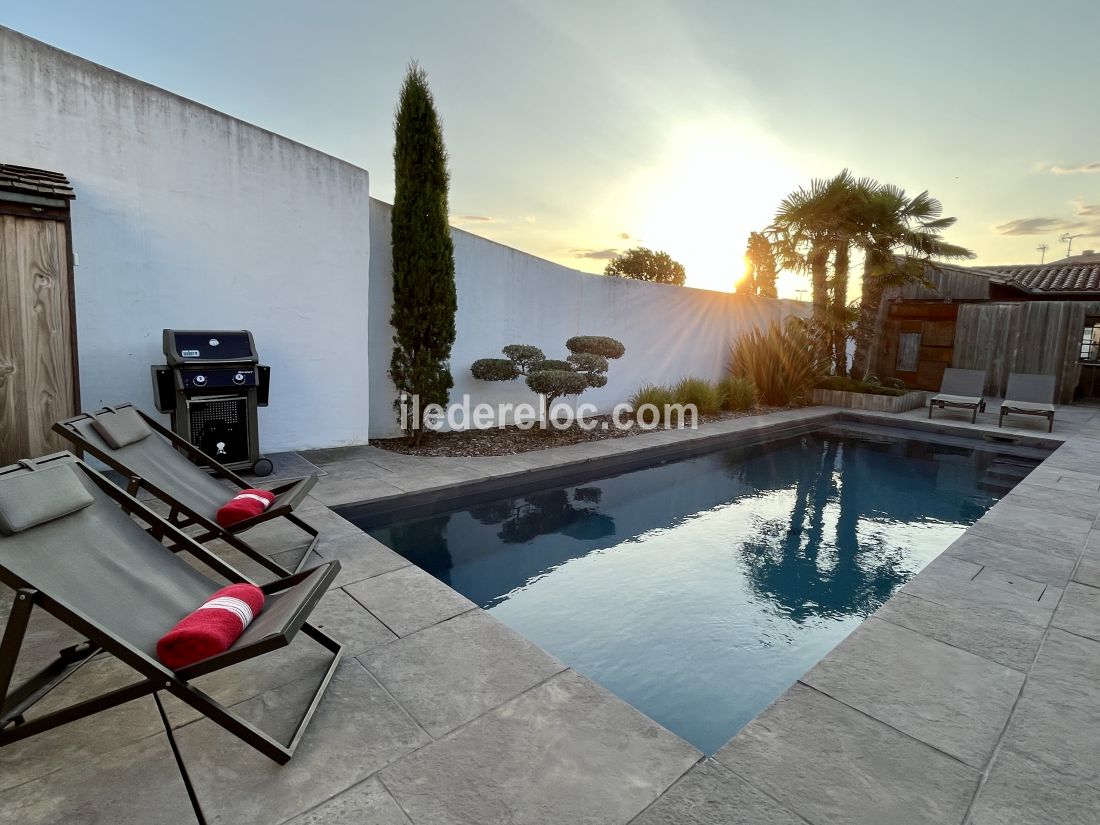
1090 340
908 351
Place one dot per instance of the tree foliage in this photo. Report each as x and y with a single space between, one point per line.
644 264
760 269
585 367
897 234
424 294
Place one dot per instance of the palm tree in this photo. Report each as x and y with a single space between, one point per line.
759 277
900 235
805 230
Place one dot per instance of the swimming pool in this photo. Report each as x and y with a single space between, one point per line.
699 589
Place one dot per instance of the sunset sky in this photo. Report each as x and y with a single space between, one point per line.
578 129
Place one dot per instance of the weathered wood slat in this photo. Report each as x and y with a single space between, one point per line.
35 336
1031 337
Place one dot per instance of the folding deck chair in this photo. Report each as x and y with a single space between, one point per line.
153 457
70 544
1029 394
962 389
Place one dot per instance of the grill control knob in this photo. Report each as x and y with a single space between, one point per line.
200 380
238 378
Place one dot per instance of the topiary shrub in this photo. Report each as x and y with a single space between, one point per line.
586 367
597 345
894 383
839 382
494 369
737 394
700 393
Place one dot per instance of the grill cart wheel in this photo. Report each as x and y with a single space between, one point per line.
263 467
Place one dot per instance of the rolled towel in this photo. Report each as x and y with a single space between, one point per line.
212 628
245 505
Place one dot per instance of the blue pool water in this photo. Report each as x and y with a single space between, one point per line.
699 590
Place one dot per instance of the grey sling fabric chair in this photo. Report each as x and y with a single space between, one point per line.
86 552
153 457
1029 394
962 389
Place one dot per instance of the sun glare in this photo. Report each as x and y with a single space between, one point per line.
714 184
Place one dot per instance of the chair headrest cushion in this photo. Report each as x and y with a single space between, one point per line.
121 427
30 499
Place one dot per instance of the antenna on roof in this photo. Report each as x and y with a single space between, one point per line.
1067 239
1043 252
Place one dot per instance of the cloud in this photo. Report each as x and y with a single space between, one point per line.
1079 169
595 254
528 218
473 219
1086 210
1037 226
624 236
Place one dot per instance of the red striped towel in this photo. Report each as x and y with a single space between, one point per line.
212 628
245 505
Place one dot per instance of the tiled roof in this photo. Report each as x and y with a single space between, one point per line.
22 180
1055 277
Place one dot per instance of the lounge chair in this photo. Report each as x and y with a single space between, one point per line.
151 456
961 389
71 544
1029 394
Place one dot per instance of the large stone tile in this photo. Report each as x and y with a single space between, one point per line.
1034 558
358 728
408 599
1021 792
1079 611
998 634
565 752
88 739
348 622
953 700
958 583
368 803
452 672
709 794
362 557
833 765
1058 715
138 784
335 491
1083 504
1013 523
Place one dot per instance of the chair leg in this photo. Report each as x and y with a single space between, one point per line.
974 414
195 806
1050 424
1001 419
930 405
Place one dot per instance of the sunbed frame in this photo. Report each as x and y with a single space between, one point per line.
287 495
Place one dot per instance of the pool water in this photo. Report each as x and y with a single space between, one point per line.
699 590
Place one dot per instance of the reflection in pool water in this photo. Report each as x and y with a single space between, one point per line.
699 590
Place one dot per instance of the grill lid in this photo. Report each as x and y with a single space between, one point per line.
209 346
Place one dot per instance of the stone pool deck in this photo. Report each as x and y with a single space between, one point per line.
972 696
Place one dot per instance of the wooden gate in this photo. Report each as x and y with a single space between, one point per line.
38 367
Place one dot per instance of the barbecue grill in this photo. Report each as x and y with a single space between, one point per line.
213 385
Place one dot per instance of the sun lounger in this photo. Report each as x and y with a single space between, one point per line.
151 456
962 389
1029 394
71 544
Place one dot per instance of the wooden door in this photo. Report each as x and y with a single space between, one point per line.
37 342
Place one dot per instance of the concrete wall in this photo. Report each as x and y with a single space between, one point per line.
188 218
506 297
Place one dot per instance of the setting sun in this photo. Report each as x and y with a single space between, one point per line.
716 182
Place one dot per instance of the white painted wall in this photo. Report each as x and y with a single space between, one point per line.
509 297
189 218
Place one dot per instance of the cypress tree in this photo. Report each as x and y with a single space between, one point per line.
424 294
